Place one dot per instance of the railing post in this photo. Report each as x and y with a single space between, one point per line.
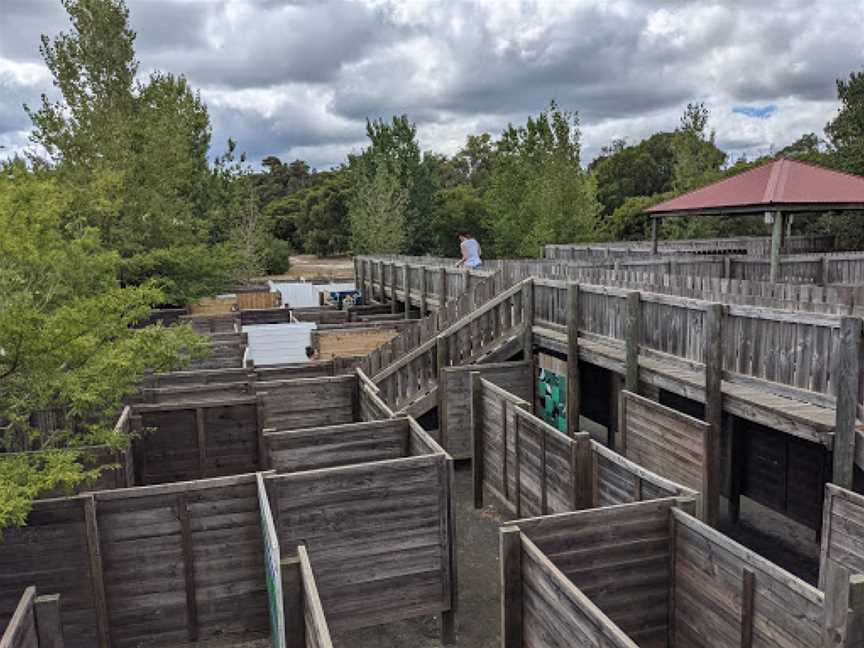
847 375
510 553
406 281
573 383
528 319
442 288
713 356
632 338
381 297
394 304
423 291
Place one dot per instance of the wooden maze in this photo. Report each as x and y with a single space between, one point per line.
303 502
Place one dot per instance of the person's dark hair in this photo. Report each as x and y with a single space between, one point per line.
310 352
465 233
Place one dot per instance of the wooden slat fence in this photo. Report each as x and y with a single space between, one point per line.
659 577
533 469
842 531
272 567
305 618
454 414
379 533
338 445
308 402
35 622
372 406
196 439
672 445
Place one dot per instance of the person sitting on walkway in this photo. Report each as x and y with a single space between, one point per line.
470 251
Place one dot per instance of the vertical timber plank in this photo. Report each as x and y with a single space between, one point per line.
94 550
510 553
188 567
49 629
632 336
713 355
477 437
573 384
847 375
747 583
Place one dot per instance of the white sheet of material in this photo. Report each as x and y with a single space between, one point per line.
278 343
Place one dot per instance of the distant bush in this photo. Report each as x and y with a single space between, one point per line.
277 256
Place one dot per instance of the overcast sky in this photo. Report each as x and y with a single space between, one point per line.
298 79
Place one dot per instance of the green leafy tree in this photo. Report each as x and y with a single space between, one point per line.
845 132
68 344
459 208
133 156
377 209
697 160
537 191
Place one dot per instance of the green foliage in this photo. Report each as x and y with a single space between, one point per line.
846 131
629 221
67 338
456 209
537 192
132 156
183 273
314 218
377 209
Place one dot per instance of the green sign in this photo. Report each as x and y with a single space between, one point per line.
552 399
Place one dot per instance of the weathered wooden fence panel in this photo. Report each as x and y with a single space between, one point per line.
337 445
198 439
668 443
380 535
308 402
454 401
842 531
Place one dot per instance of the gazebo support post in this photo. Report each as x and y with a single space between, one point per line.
654 235
776 242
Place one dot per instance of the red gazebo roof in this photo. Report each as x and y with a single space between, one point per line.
781 185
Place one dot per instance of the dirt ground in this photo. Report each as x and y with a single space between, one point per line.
310 267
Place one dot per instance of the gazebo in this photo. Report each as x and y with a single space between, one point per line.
777 189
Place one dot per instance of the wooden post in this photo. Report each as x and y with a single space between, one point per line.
49 629
406 281
423 292
97 578
394 304
441 355
844 608
727 267
736 459
574 406
653 235
263 450
477 437
381 297
747 583
633 336
528 319
188 567
776 241
846 375
201 436
441 289
713 356
510 555
292 597
448 617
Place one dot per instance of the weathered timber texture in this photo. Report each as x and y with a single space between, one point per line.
842 531
315 624
309 402
195 440
614 564
455 399
20 631
668 443
346 343
614 479
379 535
338 445
150 553
708 592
